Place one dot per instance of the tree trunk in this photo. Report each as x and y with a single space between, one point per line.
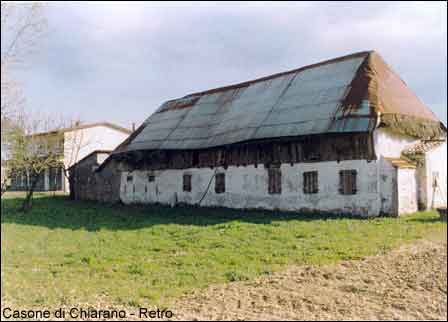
28 202
4 188
70 184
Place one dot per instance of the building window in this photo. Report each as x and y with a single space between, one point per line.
310 182
151 177
187 182
220 183
129 178
347 182
275 180
55 175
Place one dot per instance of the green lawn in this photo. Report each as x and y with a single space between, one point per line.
69 253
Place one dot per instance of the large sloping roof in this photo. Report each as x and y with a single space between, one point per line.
342 95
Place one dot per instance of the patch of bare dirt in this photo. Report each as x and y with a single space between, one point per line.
407 284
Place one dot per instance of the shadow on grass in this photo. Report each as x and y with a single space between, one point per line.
61 212
426 220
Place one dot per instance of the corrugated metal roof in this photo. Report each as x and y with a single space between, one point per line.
330 97
299 103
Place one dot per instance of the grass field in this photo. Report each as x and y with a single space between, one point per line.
73 253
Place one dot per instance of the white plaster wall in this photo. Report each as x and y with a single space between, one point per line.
388 188
407 191
436 161
422 186
390 145
89 140
247 187
398 186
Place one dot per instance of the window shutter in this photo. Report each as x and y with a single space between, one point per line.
347 182
310 182
353 183
274 180
220 183
187 182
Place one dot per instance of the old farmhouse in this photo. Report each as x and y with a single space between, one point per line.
342 136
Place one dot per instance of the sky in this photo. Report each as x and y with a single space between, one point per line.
119 62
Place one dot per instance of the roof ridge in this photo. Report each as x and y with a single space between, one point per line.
86 126
356 93
272 76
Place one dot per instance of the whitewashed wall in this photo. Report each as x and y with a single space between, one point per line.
89 140
388 188
407 191
436 163
400 187
390 145
382 188
247 187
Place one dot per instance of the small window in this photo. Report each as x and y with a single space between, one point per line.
275 180
129 178
347 182
187 182
310 182
151 177
220 183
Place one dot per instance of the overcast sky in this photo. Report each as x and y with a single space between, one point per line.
119 62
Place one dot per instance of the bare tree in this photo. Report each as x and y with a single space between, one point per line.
75 142
22 24
36 145
7 128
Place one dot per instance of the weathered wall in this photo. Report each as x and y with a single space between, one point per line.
108 183
402 189
436 165
382 188
407 191
321 148
247 187
388 144
90 185
388 188
82 179
415 187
